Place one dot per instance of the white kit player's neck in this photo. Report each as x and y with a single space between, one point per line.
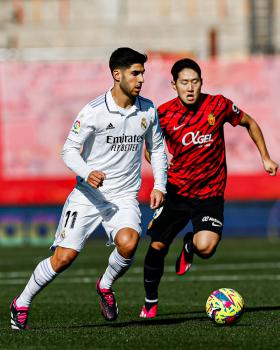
125 111
114 107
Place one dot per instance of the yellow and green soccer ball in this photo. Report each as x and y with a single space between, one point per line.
225 306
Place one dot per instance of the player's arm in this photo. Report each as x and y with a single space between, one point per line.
156 155
148 159
257 136
71 152
72 158
156 197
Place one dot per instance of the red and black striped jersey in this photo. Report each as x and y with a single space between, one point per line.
195 138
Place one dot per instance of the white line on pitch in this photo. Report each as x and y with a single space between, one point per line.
223 267
90 280
168 268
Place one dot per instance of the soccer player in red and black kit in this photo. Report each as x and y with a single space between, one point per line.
192 125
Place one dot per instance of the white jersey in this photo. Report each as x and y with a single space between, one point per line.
112 141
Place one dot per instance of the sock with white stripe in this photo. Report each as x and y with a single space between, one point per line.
118 265
150 303
41 277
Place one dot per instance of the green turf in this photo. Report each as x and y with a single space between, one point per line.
66 314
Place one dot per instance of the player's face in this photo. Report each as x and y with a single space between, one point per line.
131 79
188 86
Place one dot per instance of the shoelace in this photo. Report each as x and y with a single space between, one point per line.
109 296
22 317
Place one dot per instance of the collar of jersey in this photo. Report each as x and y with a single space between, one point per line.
113 108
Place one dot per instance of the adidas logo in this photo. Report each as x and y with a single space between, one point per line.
110 126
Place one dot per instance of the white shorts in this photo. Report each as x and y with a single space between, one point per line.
78 221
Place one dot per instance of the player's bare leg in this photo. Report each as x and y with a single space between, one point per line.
121 258
205 243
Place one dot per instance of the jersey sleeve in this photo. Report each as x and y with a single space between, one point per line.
155 147
82 126
72 158
233 114
71 152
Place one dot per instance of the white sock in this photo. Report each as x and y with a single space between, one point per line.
41 276
118 265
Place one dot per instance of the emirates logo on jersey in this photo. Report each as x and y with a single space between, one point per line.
211 119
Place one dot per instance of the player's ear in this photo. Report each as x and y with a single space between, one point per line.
173 84
117 75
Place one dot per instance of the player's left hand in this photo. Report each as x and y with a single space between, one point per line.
157 199
270 166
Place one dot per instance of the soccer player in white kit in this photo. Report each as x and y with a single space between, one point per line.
104 149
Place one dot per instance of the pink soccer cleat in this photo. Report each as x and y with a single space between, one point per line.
19 316
184 261
108 304
149 314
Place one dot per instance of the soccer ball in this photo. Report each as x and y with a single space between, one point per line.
225 306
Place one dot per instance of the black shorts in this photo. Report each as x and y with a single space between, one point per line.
169 220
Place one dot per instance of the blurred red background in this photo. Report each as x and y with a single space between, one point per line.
39 101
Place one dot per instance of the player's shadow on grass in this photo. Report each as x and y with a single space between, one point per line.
144 322
181 313
247 309
133 323
175 320
158 321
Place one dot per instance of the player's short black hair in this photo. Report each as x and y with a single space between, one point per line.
124 57
182 64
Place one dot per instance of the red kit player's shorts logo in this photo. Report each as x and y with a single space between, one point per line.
211 119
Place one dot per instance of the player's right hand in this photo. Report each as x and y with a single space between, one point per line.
96 178
270 166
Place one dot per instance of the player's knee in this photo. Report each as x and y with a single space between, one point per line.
205 249
126 241
156 254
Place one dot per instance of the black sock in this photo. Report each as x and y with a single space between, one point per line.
153 271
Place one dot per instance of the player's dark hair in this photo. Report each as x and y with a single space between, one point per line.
182 64
124 57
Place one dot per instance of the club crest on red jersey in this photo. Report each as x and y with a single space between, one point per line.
211 119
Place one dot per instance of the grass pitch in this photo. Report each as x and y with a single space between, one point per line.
66 314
